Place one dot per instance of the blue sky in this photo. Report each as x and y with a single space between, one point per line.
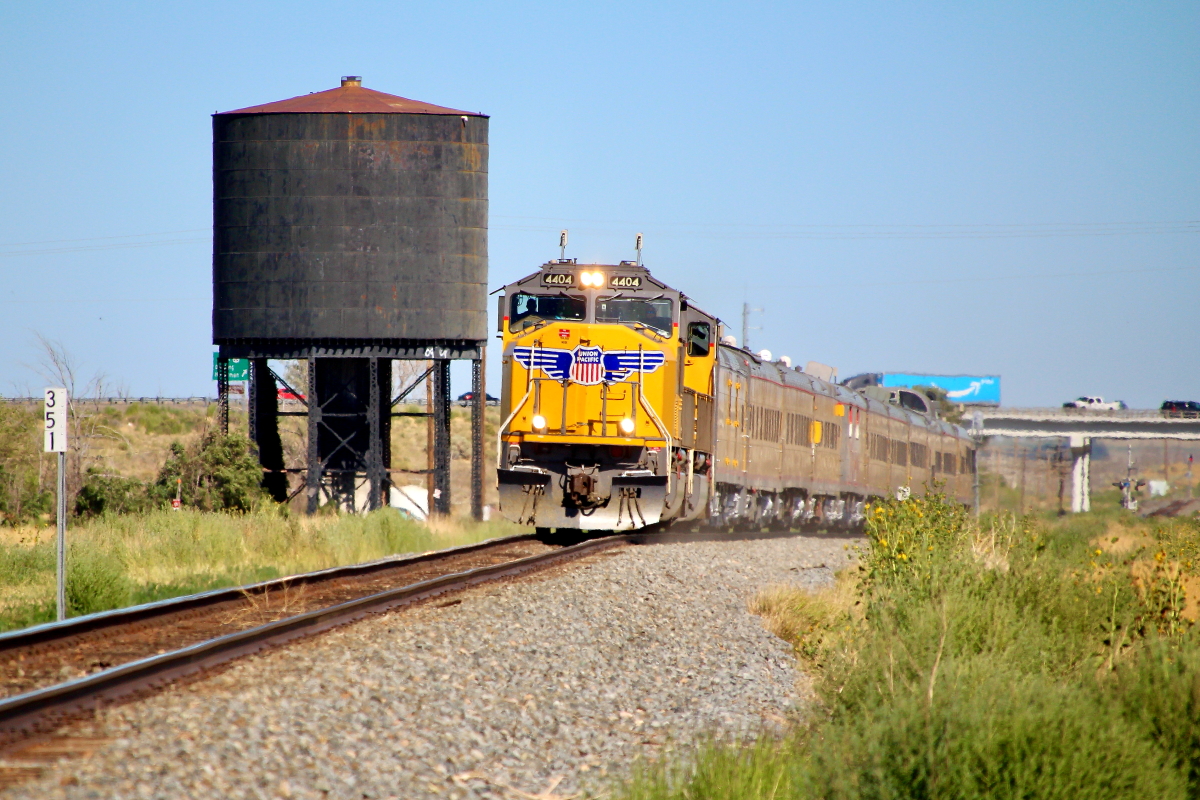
992 188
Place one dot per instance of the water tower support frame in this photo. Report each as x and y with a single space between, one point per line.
325 397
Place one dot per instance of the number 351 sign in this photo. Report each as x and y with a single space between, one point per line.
56 420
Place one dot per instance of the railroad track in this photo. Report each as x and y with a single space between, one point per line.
117 655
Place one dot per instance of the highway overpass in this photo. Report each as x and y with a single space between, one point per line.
1080 426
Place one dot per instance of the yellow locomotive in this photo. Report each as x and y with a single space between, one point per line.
622 410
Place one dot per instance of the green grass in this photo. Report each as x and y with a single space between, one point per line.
1003 658
120 560
154 418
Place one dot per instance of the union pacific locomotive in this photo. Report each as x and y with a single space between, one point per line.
622 409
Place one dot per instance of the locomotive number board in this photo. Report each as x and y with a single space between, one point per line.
625 282
558 279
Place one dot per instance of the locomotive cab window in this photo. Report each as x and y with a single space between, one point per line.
699 339
654 314
529 309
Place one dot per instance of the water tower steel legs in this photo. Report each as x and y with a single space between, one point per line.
441 436
312 474
478 409
252 407
263 409
223 396
376 467
348 414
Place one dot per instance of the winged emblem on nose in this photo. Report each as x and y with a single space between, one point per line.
588 365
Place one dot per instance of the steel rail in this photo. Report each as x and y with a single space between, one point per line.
54 631
42 709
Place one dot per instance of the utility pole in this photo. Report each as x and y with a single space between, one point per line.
976 424
746 328
1022 451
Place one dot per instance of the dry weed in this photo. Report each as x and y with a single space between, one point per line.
805 619
270 604
1119 539
992 549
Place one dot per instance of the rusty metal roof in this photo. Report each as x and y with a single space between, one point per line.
350 98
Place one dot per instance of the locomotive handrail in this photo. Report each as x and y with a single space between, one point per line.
507 422
661 429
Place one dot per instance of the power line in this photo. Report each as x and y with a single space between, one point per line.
733 231
868 282
102 238
93 248
874 224
738 231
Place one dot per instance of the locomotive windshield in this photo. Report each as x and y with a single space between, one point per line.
654 313
529 309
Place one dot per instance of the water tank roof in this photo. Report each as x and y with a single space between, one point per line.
351 98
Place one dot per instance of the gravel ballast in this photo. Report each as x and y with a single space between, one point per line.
555 682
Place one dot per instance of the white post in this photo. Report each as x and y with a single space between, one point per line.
1081 450
1087 477
55 441
61 570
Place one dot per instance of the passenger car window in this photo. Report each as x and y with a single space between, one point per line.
529 309
699 339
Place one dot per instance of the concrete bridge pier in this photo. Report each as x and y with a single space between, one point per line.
1081 479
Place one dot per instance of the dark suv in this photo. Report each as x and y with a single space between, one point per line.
1181 408
465 399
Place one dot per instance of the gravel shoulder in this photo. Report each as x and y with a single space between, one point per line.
556 681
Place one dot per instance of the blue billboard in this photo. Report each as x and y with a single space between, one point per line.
958 388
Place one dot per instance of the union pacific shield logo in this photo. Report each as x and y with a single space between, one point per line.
588 365
587 368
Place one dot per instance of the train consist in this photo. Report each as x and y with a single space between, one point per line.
622 409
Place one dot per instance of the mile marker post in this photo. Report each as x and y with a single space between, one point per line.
55 440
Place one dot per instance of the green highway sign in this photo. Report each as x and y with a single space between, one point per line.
239 368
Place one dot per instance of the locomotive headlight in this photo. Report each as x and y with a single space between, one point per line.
595 279
626 425
539 422
585 278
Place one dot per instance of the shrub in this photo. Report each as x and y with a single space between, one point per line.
1160 691
110 494
220 473
996 658
23 497
990 734
96 581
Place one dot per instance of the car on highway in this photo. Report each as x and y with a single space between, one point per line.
1095 404
465 399
1181 408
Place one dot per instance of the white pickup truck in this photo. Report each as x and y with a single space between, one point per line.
1095 404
